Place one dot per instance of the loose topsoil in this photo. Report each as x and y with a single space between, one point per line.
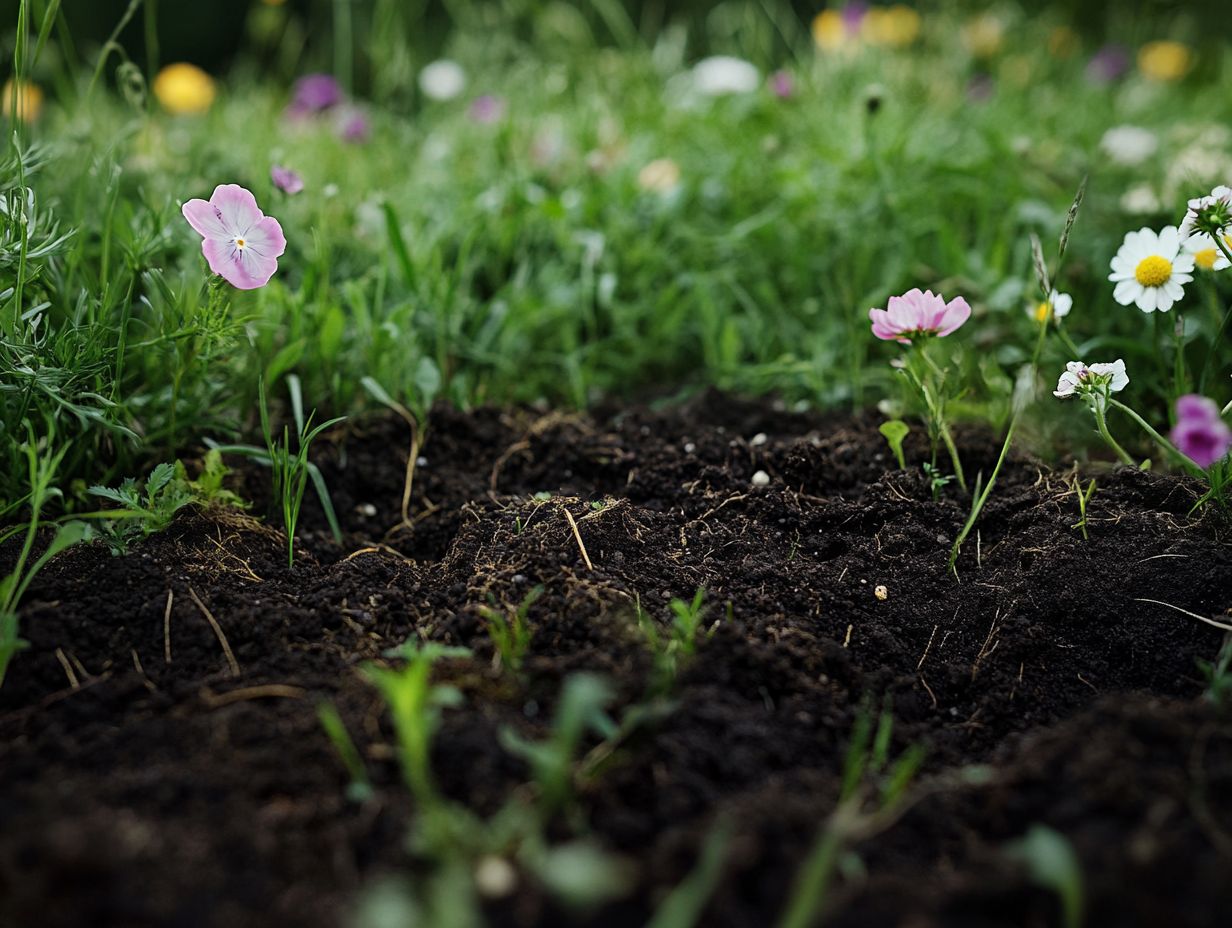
151 776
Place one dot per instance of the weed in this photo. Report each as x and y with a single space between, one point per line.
416 704
41 468
867 768
680 644
360 787
1218 675
1084 500
581 709
1052 863
511 636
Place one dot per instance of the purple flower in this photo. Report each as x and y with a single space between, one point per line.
1108 65
915 314
487 109
1200 432
783 84
314 93
353 125
241 243
853 16
286 180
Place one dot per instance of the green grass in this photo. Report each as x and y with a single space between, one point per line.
443 259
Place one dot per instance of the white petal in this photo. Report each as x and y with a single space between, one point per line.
1127 291
1147 299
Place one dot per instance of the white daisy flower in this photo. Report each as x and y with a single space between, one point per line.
1104 378
1150 271
723 74
1206 254
1208 213
442 80
1057 306
1128 145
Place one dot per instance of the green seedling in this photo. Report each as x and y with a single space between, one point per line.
360 787
1084 500
41 472
895 432
148 507
867 772
680 644
416 704
684 905
581 709
1052 864
511 635
1218 675
291 468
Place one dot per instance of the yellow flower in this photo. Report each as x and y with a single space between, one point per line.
660 176
896 26
184 88
1165 60
1062 42
983 35
829 30
29 100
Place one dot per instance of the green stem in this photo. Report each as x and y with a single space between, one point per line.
983 497
1185 461
1101 425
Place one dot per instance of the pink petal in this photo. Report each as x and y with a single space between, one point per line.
237 207
902 313
244 270
205 219
956 313
266 238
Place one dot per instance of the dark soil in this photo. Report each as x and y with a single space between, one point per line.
145 782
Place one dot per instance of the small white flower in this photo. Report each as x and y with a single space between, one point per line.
1206 254
1129 145
1150 271
1105 377
722 74
1057 306
1140 200
442 80
1215 207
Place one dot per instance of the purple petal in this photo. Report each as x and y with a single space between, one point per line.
286 180
956 313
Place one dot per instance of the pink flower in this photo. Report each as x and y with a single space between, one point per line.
783 85
1200 432
286 180
241 243
487 109
916 314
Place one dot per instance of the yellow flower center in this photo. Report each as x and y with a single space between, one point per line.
1153 271
1205 258
1042 312
239 243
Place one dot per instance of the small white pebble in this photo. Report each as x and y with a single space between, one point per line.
863 581
758 440
495 877
761 479
689 447
881 592
421 461
366 509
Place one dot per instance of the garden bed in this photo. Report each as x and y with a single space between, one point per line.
162 762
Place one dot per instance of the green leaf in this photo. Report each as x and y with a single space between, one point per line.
895 432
